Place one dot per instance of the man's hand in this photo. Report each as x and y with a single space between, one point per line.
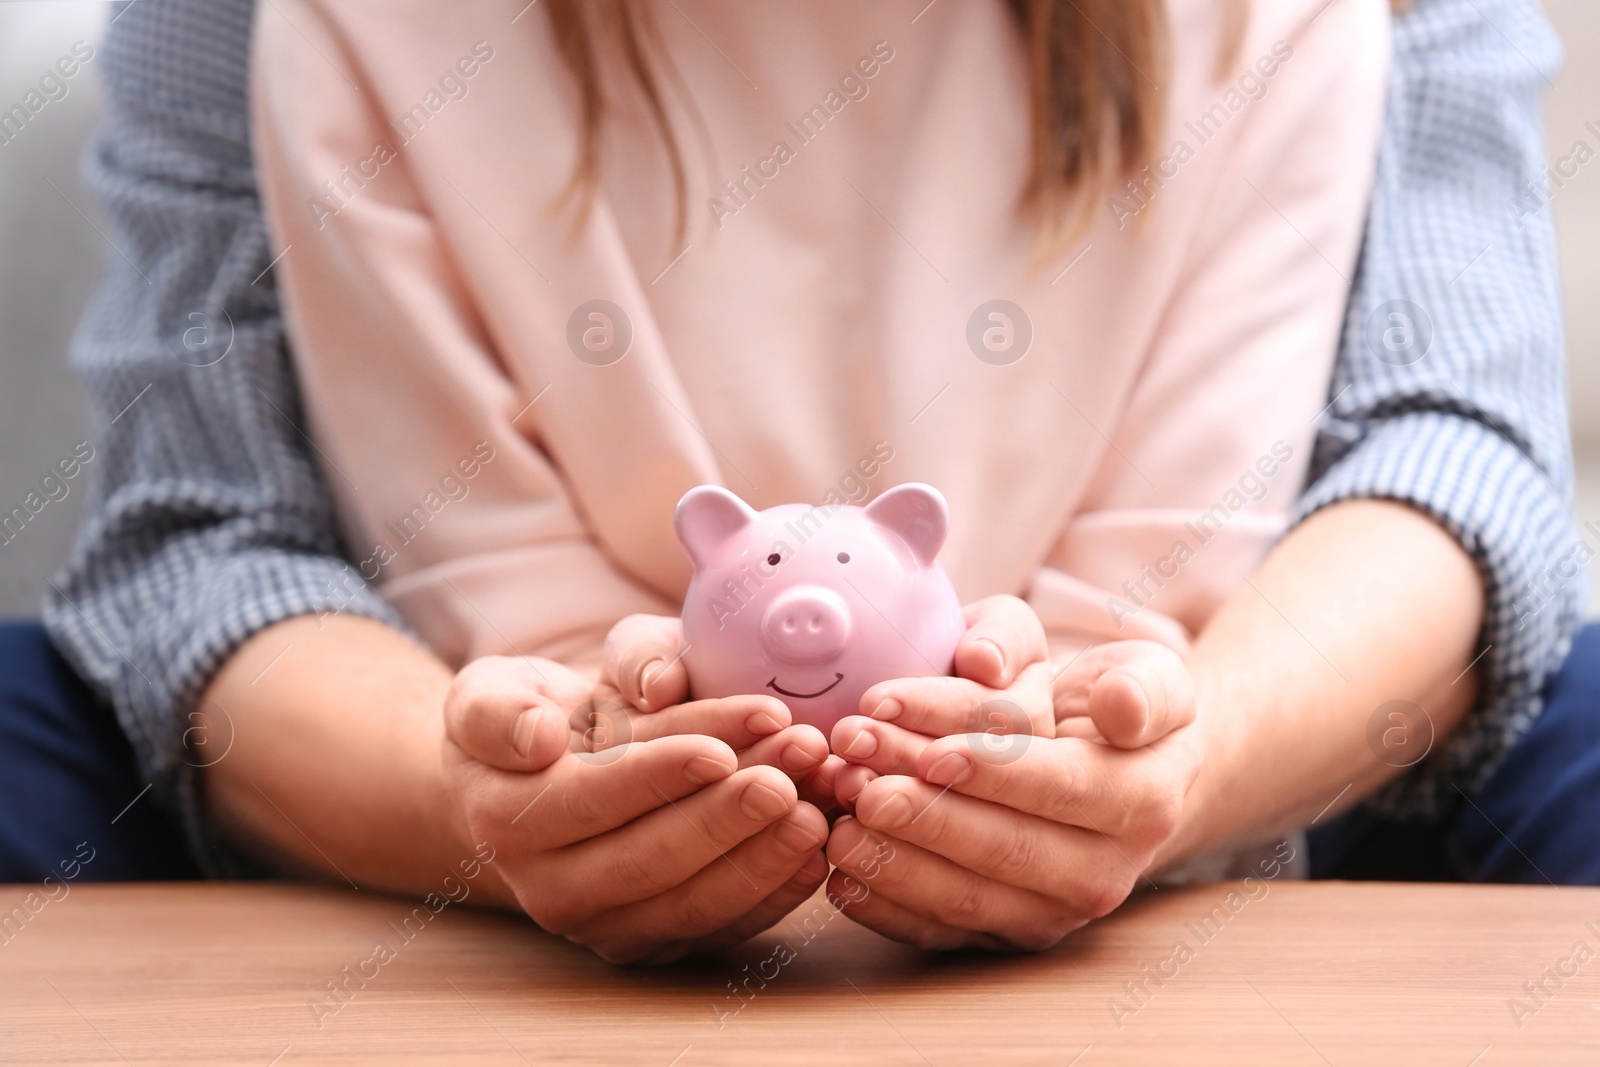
646 851
1015 842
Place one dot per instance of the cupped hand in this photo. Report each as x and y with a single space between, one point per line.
643 694
1013 845
1001 688
645 851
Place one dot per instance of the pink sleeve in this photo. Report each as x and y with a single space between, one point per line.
381 308
1211 447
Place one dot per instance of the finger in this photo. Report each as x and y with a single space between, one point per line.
1080 783
852 779
730 892
931 886
1075 681
763 916
1003 636
934 705
1080 867
798 752
820 787
1144 699
880 914
939 706
738 721
643 659
664 847
882 746
506 712
789 896
1081 727
665 948
582 796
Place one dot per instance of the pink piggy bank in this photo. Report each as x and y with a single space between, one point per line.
816 604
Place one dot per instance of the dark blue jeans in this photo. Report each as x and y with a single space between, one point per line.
67 778
69 790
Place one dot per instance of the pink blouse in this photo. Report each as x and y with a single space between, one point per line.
508 405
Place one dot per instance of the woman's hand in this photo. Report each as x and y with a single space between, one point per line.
643 694
964 841
1001 688
647 850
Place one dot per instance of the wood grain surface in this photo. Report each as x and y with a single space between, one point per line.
1321 973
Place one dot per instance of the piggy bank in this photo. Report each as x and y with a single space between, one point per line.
814 605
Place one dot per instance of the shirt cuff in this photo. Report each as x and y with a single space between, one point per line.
1515 523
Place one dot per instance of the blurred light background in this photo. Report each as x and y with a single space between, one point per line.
51 248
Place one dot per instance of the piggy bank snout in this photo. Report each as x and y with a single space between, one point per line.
806 624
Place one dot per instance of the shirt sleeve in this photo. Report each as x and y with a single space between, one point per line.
210 520
1448 392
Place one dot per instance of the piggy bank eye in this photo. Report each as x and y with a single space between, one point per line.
844 557
772 560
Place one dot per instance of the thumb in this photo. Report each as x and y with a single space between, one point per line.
1143 699
499 714
643 660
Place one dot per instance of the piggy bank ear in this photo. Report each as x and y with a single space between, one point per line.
918 514
707 518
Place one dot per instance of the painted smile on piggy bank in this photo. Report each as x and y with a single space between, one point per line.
837 678
816 604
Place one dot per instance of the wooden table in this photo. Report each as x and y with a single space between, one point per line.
1330 973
